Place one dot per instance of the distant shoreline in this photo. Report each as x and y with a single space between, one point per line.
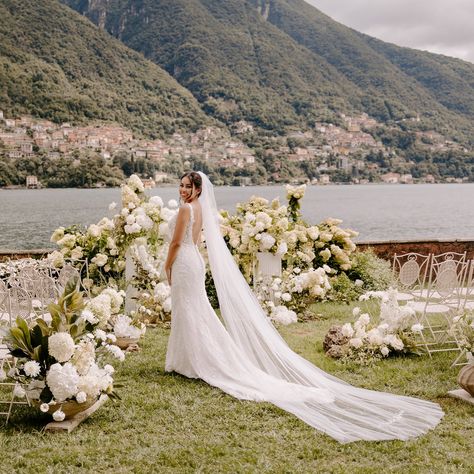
171 185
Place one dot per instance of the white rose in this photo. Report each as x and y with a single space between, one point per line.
100 259
355 342
94 230
417 327
347 330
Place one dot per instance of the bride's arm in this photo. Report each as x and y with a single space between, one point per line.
178 236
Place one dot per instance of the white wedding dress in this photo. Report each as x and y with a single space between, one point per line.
248 359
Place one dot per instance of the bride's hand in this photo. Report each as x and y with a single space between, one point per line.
168 275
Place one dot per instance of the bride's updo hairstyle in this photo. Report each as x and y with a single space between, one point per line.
195 179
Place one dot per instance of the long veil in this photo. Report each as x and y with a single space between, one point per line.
355 414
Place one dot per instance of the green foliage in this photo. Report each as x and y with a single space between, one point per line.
198 427
343 289
55 64
88 170
375 272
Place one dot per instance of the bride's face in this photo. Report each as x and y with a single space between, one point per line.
186 189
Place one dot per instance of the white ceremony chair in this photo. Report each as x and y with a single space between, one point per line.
67 273
7 388
411 275
441 302
20 304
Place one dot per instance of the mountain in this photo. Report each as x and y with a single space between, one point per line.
56 64
283 63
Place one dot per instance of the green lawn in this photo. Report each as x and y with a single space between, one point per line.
167 423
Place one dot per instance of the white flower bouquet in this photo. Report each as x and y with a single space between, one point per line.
367 339
463 331
64 362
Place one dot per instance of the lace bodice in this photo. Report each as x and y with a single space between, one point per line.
188 235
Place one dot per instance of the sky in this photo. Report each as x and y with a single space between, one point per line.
439 26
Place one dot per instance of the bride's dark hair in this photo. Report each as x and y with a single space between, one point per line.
195 179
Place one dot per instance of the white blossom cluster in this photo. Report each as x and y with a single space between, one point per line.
124 327
397 327
463 330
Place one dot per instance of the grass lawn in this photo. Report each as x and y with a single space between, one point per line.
167 423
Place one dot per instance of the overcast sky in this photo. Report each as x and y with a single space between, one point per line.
440 26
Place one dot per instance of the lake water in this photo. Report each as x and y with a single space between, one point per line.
377 212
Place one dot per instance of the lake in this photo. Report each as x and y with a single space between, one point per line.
378 212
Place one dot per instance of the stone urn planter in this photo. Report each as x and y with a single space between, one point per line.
466 379
125 342
70 408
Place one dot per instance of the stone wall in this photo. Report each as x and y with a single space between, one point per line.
384 250
387 250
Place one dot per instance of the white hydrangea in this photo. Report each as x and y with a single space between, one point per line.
144 221
417 327
116 352
385 351
375 337
97 380
325 254
356 342
69 241
364 319
132 229
62 380
135 183
57 234
123 327
281 314
267 241
77 253
167 305
347 330
100 307
61 346
282 248
84 357
94 231
116 299
100 259
57 259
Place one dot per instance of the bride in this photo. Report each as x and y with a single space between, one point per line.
247 358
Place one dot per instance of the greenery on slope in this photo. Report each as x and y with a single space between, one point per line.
234 62
395 82
281 63
167 423
55 64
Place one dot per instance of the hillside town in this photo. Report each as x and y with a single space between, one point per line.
329 147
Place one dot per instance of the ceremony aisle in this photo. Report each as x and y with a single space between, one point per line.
167 423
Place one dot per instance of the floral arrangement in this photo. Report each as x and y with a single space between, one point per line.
66 359
366 339
315 258
294 194
463 331
312 255
100 252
